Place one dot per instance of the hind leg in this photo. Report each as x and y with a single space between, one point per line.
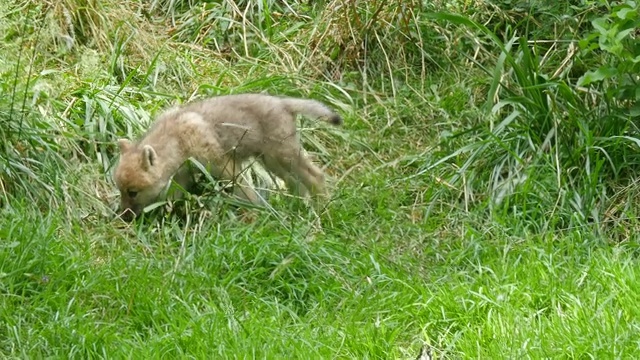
310 175
293 183
292 160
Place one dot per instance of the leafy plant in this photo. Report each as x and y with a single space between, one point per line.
617 34
544 148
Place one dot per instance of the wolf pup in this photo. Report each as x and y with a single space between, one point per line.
221 133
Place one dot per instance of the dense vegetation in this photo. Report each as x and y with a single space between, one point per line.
484 197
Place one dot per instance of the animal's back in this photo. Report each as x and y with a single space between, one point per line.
246 123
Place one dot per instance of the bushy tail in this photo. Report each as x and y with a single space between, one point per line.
313 109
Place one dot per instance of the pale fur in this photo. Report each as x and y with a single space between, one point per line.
221 133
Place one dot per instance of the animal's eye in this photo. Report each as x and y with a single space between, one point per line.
132 193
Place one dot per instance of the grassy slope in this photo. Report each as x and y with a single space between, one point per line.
388 271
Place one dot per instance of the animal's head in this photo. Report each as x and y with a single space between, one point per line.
138 177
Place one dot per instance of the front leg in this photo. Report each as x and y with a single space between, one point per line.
183 182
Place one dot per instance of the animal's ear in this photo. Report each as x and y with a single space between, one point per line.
124 145
149 157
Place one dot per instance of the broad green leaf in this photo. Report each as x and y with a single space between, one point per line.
624 33
598 75
600 24
627 13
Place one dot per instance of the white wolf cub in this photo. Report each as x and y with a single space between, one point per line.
221 133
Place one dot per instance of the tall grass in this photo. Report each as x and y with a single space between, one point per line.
545 151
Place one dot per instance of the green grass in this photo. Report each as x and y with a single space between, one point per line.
443 117
356 289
